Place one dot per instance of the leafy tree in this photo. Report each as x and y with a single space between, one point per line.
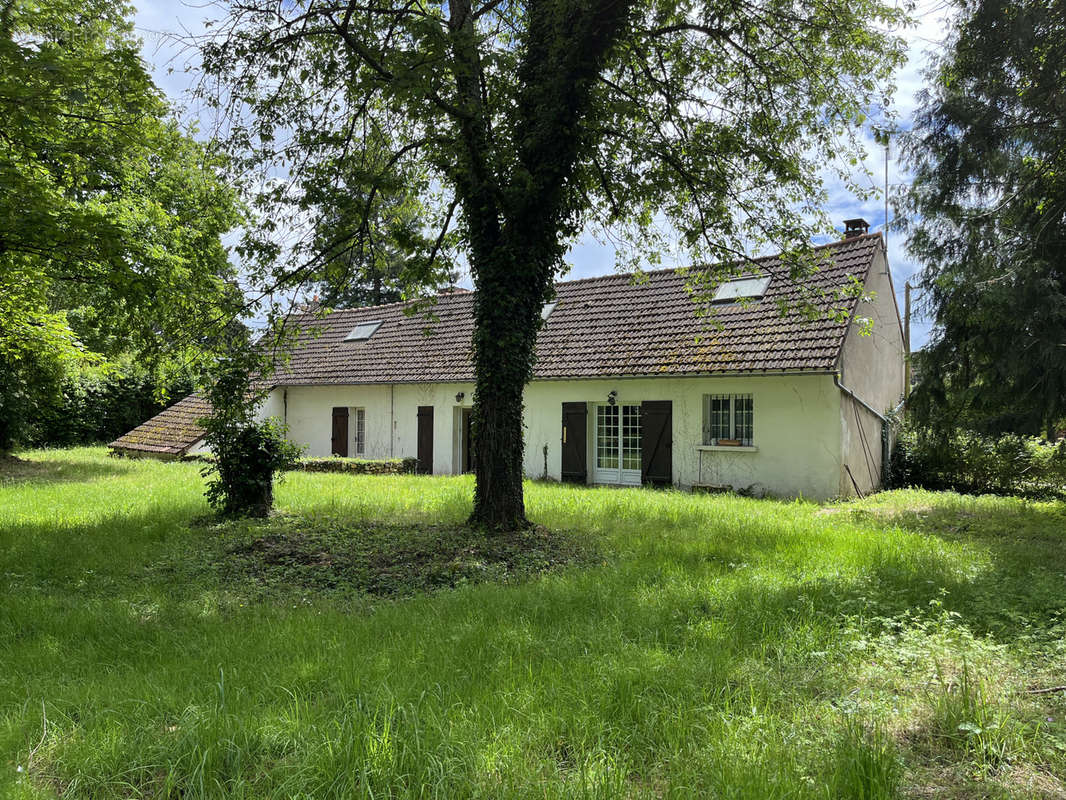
36 349
988 208
372 246
665 124
110 217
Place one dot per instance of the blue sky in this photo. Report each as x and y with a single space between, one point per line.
174 71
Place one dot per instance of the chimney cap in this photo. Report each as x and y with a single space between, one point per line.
855 227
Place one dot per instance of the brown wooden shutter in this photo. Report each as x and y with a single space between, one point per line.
574 442
656 442
425 440
339 442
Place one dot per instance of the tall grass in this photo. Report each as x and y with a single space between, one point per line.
724 647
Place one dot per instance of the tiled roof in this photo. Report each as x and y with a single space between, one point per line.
169 433
604 326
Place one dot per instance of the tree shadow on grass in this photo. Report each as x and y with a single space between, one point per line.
15 471
1023 544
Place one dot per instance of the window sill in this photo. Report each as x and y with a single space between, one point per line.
724 448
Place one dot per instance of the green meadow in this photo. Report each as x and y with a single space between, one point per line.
638 644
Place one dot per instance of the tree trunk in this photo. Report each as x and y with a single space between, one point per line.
515 234
507 317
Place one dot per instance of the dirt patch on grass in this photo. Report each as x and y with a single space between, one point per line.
325 557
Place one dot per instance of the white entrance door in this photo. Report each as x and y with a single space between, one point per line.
617 445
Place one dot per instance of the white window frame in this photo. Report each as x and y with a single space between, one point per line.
614 475
732 399
358 425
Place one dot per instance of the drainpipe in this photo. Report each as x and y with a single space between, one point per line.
392 419
285 407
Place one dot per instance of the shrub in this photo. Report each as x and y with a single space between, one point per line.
247 451
965 461
247 456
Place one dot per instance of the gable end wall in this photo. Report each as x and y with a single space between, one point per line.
872 367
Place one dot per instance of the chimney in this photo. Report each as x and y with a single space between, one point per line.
855 227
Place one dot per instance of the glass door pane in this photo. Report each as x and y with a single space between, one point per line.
631 438
607 437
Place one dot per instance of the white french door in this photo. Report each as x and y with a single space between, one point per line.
616 443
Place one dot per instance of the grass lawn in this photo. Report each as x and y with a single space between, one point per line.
644 644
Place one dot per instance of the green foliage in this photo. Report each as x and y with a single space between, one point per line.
99 405
246 458
711 653
519 126
866 763
110 218
969 462
988 155
371 245
247 452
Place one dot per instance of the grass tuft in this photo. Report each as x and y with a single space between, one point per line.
866 763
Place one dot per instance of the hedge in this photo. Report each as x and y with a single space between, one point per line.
969 462
359 466
92 409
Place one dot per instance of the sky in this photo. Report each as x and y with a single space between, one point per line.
174 70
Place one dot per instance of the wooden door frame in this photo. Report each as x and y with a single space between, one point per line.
634 475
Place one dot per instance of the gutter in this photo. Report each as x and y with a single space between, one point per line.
857 399
886 430
613 377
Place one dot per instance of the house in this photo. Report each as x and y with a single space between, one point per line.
631 385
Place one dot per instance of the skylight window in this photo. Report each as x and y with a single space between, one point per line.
363 331
547 310
741 289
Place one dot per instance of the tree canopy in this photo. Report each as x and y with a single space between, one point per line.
373 248
111 217
666 125
988 220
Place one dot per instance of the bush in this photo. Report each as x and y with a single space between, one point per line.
242 472
247 451
964 461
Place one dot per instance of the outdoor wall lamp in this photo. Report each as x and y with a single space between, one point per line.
612 397
459 397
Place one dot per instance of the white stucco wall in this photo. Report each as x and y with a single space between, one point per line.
871 366
391 418
796 442
797 425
